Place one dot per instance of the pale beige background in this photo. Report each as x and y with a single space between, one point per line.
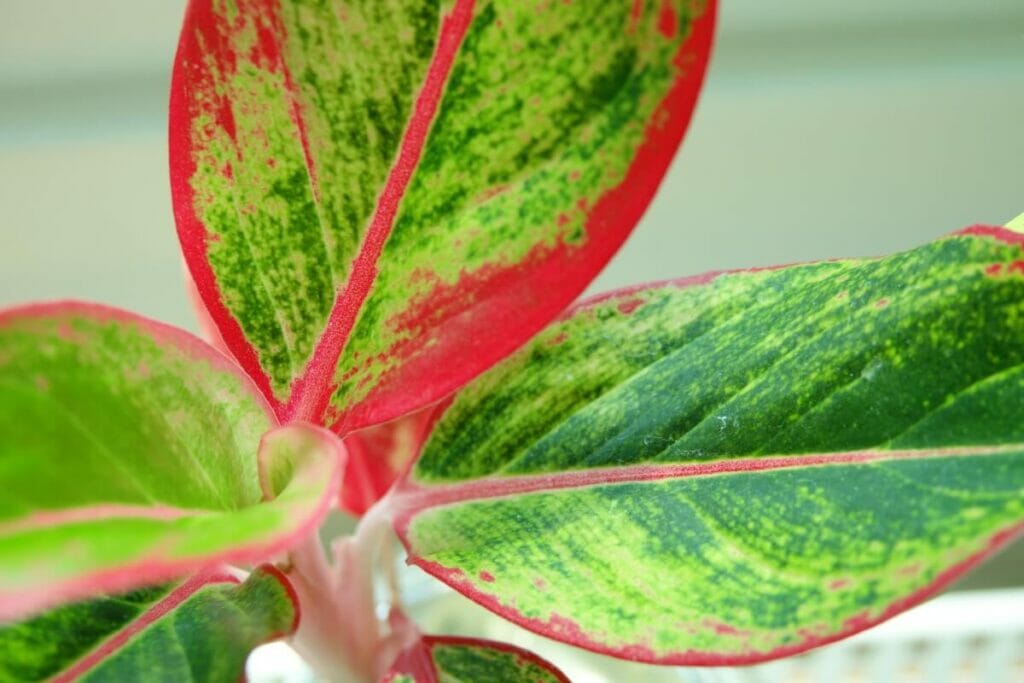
826 129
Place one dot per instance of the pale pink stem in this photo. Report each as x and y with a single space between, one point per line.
339 633
338 628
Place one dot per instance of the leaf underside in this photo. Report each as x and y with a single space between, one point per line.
198 631
129 455
377 201
741 466
448 659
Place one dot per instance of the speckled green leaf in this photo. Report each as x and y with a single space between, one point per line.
742 465
131 453
447 659
201 630
378 200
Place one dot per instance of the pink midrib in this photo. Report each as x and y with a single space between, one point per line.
410 498
311 391
144 621
95 513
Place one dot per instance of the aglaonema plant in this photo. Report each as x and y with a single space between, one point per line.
385 209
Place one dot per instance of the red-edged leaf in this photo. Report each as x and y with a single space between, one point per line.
449 659
133 453
199 630
740 466
378 455
378 201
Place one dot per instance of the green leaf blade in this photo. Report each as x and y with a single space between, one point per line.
721 569
450 659
741 466
200 630
131 454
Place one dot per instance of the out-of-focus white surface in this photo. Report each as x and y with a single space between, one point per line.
277 663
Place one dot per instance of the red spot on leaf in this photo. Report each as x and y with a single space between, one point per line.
838 584
667 21
492 192
723 629
910 570
66 332
487 576
629 305
264 52
1017 267
141 371
226 118
882 303
560 338
994 269
634 15
857 622
540 584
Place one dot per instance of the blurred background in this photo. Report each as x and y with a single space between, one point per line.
825 129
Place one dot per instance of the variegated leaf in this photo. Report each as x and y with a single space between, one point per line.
739 466
133 453
198 631
449 659
378 200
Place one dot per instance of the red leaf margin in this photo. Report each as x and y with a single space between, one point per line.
411 386
408 499
417 661
558 277
154 569
179 595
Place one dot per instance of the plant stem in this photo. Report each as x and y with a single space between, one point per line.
339 633
338 628
374 538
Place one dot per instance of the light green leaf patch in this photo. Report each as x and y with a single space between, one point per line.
449 659
130 453
197 631
741 466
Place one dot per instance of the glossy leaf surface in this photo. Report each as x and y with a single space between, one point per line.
447 659
379 200
131 453
743 465
201 630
